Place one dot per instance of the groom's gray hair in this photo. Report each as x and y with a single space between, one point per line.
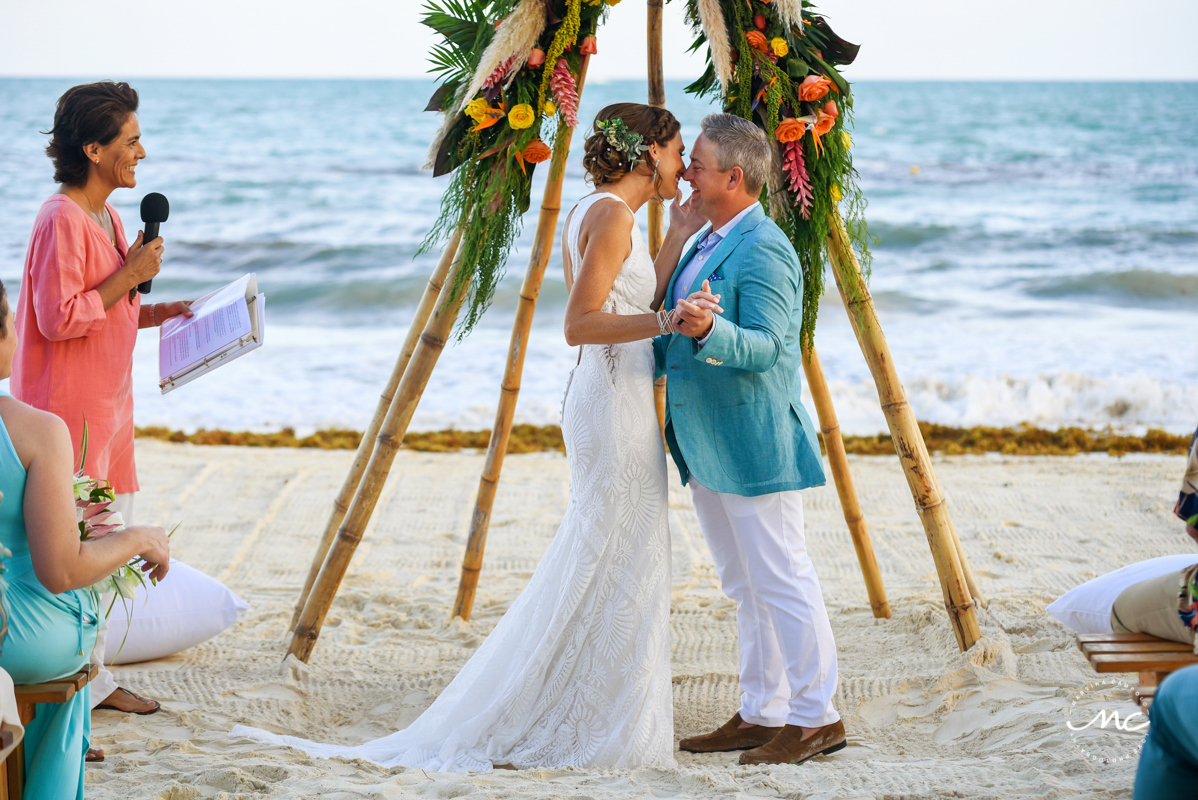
740 143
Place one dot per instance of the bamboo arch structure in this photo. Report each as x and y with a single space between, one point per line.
432 325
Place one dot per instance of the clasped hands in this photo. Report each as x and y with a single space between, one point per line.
693 316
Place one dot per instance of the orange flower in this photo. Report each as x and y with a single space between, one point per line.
813 88
537 151
790 130
756 40
589 46
823 123
488 117
830 109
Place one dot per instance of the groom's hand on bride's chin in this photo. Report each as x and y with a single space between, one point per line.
685 218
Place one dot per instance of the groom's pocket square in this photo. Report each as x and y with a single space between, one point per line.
713 277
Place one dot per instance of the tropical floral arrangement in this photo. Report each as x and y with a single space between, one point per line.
509 73
774 62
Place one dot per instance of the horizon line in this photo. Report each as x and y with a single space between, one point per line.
593 80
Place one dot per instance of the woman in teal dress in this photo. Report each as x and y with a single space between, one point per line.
52 616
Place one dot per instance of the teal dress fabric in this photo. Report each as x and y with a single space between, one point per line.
1168 768
734 410
49 636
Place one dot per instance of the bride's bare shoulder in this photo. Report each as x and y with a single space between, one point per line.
607 216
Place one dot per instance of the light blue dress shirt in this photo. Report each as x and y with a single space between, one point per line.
710 241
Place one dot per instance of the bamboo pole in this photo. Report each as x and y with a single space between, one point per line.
908 441
432 341
657 99
340 505
970 579
488 483
843 478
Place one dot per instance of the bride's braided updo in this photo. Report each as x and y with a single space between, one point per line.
604 163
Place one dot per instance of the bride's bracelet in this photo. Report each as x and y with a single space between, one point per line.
665 322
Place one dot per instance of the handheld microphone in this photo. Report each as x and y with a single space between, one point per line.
154 210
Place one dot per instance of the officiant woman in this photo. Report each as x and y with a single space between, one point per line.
79 309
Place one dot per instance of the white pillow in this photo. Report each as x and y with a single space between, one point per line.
1087 609
183 610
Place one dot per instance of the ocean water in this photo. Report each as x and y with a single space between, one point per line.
1037 257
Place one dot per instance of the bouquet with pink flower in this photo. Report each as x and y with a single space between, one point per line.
93 501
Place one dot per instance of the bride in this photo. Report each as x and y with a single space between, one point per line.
577 673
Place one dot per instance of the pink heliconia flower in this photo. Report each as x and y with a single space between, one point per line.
497 77
565 91
795 166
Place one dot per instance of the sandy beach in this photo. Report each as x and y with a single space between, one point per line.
923 719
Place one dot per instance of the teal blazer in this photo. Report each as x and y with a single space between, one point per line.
734 417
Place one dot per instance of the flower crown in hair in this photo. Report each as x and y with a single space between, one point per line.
630 143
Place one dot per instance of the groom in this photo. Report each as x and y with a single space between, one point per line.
742 440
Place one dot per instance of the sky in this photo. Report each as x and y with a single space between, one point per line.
902 39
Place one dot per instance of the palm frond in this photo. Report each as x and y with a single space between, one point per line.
450 64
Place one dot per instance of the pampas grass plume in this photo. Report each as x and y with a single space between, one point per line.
711 16
790 12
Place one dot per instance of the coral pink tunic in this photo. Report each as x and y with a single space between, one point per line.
74 358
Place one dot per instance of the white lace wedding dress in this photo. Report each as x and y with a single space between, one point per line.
577 673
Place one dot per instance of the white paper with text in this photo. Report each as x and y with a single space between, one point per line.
224 324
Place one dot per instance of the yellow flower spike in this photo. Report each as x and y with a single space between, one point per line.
549 109
476 109
835 192
521 116
779 46
845 140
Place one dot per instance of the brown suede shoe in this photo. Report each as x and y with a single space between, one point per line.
729 736
788 746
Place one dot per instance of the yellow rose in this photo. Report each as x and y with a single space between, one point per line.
521 116
835 193
779 46
846 140
613 2
476 108
549 109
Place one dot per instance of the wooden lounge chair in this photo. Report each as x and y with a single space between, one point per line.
1147 655
12 770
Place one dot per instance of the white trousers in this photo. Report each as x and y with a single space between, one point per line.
104 683
787 653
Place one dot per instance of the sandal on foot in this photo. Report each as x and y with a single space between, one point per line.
135 696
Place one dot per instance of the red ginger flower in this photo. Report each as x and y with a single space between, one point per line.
795 166
496 77
565 91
